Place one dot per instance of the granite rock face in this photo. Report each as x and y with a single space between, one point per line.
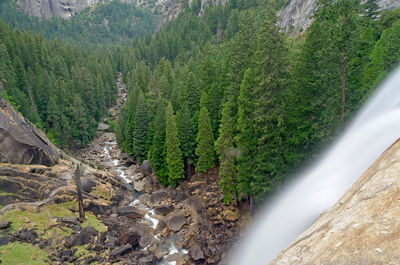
363 227
51 8
296 16
21 142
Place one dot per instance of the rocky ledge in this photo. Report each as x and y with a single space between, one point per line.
21 142
362 227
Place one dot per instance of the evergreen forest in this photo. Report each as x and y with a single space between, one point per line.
221 87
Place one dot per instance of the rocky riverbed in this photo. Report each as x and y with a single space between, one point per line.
188 225
130 217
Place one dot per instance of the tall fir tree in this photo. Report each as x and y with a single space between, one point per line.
245 138
158 149
187 137
174 153
205 143
140 130
225 150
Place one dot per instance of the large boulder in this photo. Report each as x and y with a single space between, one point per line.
196 253
131 212
158 196
145 168
85 236
175 221
21 142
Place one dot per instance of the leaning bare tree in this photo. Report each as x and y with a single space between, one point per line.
79 192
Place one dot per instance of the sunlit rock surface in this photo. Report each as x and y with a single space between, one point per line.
363 227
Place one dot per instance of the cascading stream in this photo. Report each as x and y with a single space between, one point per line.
169 243
299 204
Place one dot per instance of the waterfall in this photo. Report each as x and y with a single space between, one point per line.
298 204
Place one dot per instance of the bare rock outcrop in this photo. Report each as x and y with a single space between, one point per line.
21 142
296 16
51 8
362 227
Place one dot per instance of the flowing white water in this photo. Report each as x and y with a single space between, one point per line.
168 243
297 205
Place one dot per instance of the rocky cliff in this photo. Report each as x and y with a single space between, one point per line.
169 9
50 8
21 142
296 16
363 227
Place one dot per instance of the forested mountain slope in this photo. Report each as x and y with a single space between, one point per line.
266 100
110 23
63 89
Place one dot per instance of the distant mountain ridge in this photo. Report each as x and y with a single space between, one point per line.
169 9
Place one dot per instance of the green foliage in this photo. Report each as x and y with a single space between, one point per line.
174 153
205 143
158 150
110 22
225 150
53 85
23 254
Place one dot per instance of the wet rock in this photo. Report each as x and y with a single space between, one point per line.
130 211
85 236
145 198
118 196
196 253
107 165
87 184
146 260
175 221
145 168
95 208
146 240
26 235
120 250
164 210
176 257
131 237
124 156
4 224
160 227
21 142
129 161
157 196
141 185
4 240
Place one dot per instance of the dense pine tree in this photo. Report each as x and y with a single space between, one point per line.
225 150
205 143
174 153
